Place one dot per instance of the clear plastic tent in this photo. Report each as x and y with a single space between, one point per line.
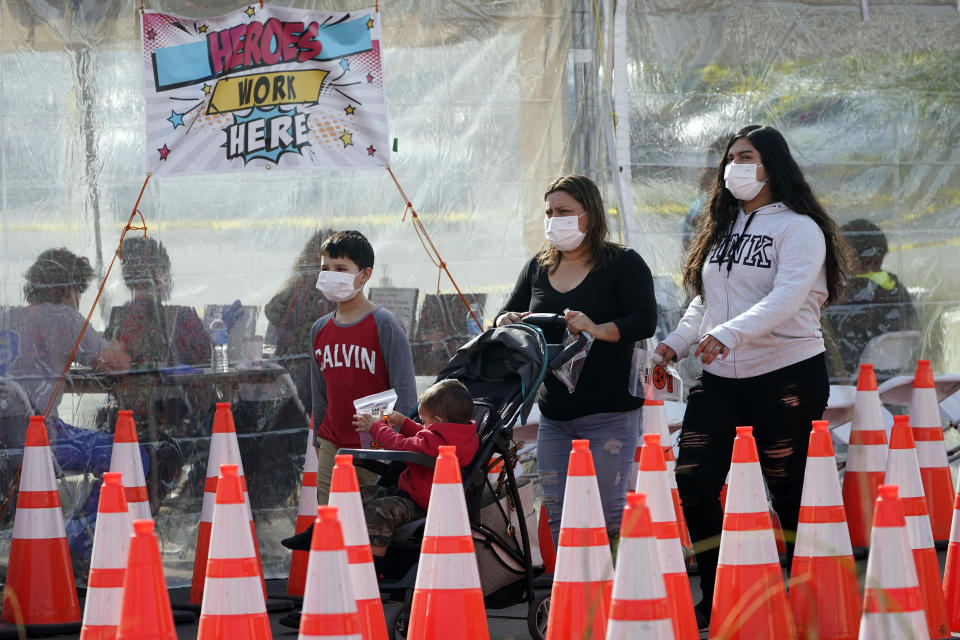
488 101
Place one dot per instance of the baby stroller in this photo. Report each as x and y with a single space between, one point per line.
503 368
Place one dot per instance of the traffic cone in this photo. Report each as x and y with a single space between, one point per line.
824 595
866 458
903 471
892 603
931 451
306 513
145 610
233 601
447 599
655 421
329 607
583 578
652 481
545 539
638 608
749 600
951 574
345 495
108 562
125 459
224 449
39 586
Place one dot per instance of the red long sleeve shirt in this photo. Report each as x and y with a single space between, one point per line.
416 479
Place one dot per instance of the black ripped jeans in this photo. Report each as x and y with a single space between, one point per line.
780 406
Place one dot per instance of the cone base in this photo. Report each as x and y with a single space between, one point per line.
939 490
98 632
245 626
680 605
372 623
297 578
931 589
825 597
434 613
579 609
860 490
40 587
951 585
893 625
749 602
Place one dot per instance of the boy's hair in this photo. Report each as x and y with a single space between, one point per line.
449 401
352 245
55 274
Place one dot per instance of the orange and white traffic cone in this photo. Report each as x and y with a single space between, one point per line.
824 595
233 601
108 562
345 496
931 451
447 598
545 539
306 514
749 600
866 458
655 421
583 579
329 607
903 471
125 459
145 611
892 604
639 605
224 449
951 574
652 481
39 587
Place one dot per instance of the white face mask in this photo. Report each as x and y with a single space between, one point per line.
564 232
741 180
337 286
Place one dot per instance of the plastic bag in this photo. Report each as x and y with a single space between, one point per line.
569 372
376 405
650 378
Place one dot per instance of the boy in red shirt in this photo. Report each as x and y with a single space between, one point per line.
358 350
447 411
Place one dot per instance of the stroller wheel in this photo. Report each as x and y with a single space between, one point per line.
397 617
537 615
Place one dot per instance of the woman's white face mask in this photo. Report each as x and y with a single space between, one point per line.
564 232
741 180
337 286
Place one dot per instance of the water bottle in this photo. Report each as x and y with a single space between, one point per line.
473 326
218 344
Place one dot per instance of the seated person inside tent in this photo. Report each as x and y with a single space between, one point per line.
156 336
447 412
874 302
46 331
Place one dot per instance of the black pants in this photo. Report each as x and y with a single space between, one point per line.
780 406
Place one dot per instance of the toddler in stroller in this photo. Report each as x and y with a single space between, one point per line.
446 409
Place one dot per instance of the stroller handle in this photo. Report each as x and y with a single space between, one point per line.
555 321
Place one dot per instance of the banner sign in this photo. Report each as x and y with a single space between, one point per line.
264 88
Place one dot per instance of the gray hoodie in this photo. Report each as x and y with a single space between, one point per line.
766 307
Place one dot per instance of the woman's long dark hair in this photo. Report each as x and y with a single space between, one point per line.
787 185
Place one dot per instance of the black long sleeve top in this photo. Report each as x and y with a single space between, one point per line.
620 292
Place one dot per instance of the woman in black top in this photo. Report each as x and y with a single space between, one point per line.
604 289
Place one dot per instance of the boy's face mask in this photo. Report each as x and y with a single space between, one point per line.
337 286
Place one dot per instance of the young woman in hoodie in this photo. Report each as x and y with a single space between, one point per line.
767 258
